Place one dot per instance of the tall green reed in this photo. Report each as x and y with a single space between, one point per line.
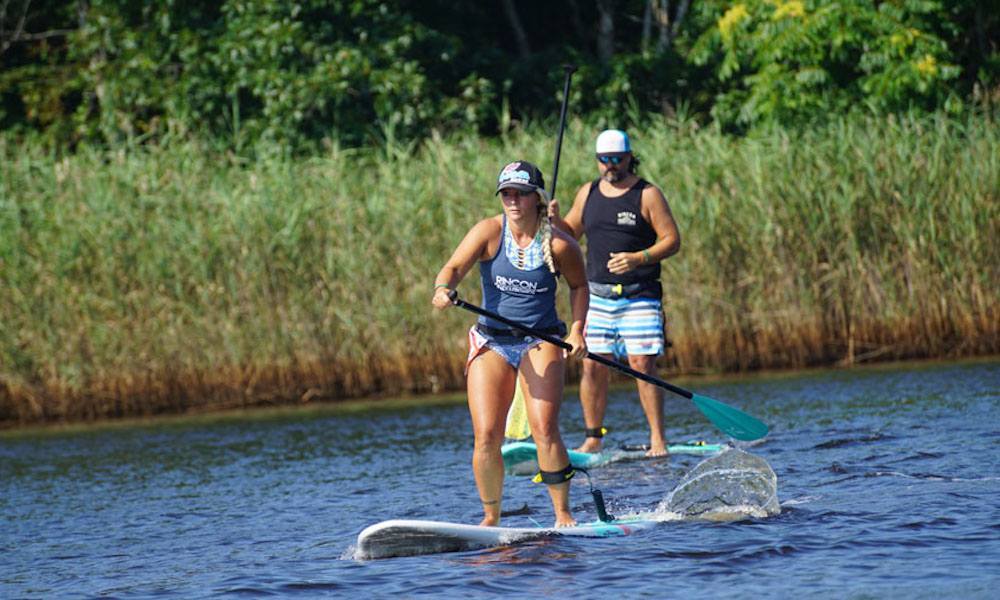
164 277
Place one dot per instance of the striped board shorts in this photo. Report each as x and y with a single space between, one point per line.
619 326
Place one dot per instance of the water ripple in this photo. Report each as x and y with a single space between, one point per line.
887 481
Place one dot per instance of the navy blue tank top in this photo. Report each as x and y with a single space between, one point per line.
617 225
526 297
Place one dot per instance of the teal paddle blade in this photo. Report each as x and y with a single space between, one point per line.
731 421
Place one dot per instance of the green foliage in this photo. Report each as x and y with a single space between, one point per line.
300 71
306 76
260 74
791 59
131 59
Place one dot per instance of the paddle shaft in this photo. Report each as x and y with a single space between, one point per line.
558 342
562 126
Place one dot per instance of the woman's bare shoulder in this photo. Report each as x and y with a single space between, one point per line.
489 226
563 242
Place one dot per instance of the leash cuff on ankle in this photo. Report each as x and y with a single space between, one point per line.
597 433
555 477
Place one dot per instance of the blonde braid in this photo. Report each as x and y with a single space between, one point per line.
546 224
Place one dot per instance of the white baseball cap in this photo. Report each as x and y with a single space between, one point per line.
613 141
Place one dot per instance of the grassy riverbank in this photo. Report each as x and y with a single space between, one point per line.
167 278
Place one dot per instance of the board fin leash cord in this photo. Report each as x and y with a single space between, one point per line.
548 477
602 512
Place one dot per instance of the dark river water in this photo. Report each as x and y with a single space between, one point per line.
888 480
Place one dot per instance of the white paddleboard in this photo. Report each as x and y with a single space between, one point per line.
402 537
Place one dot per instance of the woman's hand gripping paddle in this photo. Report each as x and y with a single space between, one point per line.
731 421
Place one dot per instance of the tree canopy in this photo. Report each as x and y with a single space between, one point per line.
300 74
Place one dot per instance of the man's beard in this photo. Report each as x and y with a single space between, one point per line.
613 176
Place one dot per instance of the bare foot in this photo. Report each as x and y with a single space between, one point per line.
490 522
657 449
564 519
591 446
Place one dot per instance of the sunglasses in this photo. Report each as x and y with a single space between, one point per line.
610 159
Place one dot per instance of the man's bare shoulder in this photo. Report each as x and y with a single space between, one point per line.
652 192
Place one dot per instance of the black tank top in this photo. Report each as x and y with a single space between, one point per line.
617 225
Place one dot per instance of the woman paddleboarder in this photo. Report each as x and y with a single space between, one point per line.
520 258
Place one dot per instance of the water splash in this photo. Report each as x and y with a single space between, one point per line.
731 485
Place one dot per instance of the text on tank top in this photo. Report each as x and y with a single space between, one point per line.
617 225
526 296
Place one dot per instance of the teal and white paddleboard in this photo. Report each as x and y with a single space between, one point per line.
403 537
521 458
